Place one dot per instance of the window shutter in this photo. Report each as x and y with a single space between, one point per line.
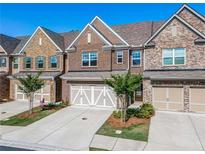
24 63
31 63
44 62
36 63
58 61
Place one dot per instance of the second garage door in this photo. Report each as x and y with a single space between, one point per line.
197 99
92 95
168 98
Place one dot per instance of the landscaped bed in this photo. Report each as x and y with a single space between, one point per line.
24 118
136 126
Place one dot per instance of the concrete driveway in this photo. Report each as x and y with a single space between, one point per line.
177 131
12 108
64 129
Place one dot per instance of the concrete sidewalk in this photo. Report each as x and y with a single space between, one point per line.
116 144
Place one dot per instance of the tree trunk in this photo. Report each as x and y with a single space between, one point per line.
31 103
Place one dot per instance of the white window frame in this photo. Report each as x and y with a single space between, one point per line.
5 61
137 59
119 53
17 63
173 57
89 59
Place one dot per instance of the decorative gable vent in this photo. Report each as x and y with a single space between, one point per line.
40 41
89 38
174 31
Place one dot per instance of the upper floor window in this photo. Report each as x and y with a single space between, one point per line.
136 58
15 63
2 62
119 57
27 62
53 61
40 61
175 56
89 59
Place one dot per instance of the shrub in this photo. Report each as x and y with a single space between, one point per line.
132 112
117 114
146 111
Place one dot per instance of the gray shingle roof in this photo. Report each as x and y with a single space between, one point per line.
175 75
8 43
90 76
23 40
137 33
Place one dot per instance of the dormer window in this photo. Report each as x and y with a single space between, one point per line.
89 38
40 41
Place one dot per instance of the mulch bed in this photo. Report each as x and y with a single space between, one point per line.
117 122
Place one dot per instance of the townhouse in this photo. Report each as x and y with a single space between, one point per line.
169 54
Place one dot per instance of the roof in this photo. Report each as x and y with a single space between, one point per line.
44 75
8 43
137 33
175 75
57 38
23 40
90 76
69 37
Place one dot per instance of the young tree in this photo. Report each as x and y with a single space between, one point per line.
29 85
124 86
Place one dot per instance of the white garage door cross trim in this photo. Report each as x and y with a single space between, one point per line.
92 95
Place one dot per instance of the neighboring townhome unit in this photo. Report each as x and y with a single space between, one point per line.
174 77
96 53
41 52
7 46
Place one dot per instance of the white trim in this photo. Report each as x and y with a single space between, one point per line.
88 25
166 23
110 29
140 59
191 10
34 34
89 59
4 50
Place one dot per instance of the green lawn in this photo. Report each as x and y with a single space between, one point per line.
24 119
135 132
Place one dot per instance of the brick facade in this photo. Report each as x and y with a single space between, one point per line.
4 87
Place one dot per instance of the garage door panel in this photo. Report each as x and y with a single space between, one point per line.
19 96
197 95
197 108
175 106
175 94
160 94
159 105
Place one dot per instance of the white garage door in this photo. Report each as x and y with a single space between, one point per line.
168 98
93 95
39 95
197 99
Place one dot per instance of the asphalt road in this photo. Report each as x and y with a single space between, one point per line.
6 148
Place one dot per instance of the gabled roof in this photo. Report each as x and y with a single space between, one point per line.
55 38
175 16
116 34
136 34
185 6
69 37
8 44
100 35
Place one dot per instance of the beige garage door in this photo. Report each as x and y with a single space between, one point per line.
93 95
39 95
197 99
168 98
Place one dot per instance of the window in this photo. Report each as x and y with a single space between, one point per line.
27 62
136 58
89 59
15 63
119 57
53 61
89 37
175 56
2 62
40 62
